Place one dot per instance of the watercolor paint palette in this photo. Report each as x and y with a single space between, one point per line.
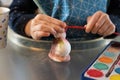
106 66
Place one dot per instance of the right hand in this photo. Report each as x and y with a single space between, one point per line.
43 25
100 23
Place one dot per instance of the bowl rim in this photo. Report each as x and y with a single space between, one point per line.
47 41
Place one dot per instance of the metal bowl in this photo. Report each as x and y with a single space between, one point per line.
46 45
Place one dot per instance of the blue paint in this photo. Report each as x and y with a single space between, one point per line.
109 54
117 70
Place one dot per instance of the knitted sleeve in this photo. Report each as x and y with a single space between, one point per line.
21 12
114 13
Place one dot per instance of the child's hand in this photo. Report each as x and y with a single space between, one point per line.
100 23
43 25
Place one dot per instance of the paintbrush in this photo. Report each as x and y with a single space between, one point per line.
83 28
113 66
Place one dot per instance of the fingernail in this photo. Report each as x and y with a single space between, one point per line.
85 26
64 24
87 31
55 35
62 30
93 32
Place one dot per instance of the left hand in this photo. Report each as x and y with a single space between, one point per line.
100 23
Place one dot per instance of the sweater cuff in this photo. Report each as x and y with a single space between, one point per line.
116 21
23 20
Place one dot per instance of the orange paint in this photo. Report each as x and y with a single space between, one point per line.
105 59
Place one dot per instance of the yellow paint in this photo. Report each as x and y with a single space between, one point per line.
115 77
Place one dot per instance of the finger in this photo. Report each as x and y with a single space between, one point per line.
92 21
104 28
50 20
110 30
88 19
52 30
45 28
99 24
56 27
38 34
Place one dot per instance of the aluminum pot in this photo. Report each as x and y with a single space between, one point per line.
46 45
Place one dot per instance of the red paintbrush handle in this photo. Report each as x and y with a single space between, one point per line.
116 33
77 27
83 28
